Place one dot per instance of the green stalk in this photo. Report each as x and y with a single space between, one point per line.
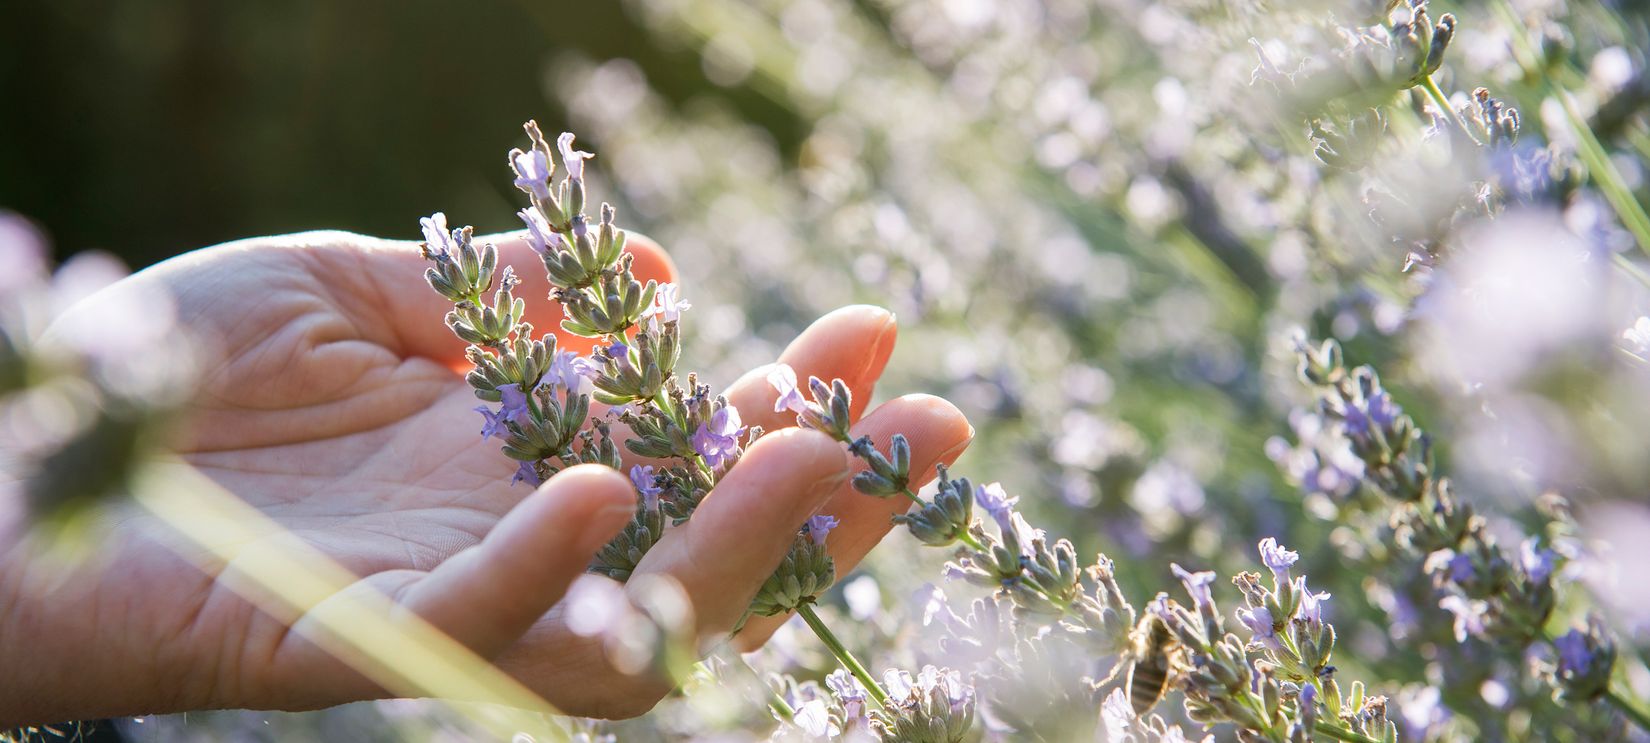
844 657
1628 707
964 537
779 706
1589 148
1443 102
1604 173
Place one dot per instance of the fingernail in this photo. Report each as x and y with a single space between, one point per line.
879 348
820 491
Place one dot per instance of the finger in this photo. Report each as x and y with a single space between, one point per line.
746 525
852 343
720 558
414 312
484 597
938 434
488 595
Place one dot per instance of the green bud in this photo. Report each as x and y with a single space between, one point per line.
806 571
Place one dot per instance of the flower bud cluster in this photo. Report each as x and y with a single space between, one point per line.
806 571
1400 50
544 395
936 706
1492 593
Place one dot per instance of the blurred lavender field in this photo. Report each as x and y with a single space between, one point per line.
1101 224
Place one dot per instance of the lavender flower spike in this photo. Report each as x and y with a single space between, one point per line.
532 173
1197 584
573 159
783 380
819 526
1277 559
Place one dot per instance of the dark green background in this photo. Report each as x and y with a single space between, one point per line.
155 127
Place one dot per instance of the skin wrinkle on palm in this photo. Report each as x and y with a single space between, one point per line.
406 656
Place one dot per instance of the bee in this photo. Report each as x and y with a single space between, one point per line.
1151 661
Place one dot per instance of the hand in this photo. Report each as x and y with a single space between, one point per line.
335 406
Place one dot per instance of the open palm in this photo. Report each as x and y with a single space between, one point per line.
334 405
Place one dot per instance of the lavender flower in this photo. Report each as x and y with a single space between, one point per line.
783 380
438 241
565 372
1197 584
492 423
620 353
540 237
1277 559
1311 606
1025 534
667 304
1117 715
1260 624
850 694
513 402
819 526
586 367
1461 569
814 719
1574 654
1375 412
717 439
571 158
1538 562
994 500
1469 615
533 172
646 482
525 472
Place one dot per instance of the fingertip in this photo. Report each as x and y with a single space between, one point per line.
809 452
931 418
600 497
